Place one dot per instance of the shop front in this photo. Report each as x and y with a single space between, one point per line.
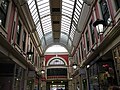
101 75
83 79
116 56
31 80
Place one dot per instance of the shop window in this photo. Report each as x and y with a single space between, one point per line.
106 75
84 81
87 40
24 40
105 11
19 78
19 27
93 77
116 54
117 3
3 11
92 32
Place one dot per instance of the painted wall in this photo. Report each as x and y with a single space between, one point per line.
49 57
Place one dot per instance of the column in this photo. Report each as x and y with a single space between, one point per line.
43 85
70 85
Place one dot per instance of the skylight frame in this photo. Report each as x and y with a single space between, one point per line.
74 16
67 6
71 10
40 10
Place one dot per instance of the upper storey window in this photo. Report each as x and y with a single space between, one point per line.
19 27
92 32
23 40
117 2
87 40
3 11
105 11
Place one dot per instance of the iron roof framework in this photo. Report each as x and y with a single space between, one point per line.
56 25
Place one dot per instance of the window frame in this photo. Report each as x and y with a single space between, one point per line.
18 33
105 11
24 40
117 4
3 11
87 39
92 32
82 50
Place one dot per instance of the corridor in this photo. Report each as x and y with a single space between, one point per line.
59 44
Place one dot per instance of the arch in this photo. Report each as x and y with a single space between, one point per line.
61 46
65 63
56 61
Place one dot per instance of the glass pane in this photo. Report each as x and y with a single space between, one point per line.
39 2
43 6
29 2
67 12
65 37
43 16
66 19
68 2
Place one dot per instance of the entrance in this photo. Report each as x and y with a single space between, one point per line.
57 87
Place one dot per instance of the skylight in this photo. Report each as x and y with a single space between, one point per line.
56 48
71 10
40 11
41 14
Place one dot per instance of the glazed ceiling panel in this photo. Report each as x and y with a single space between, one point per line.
56 20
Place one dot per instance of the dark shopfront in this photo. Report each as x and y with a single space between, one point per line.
101 75
11 76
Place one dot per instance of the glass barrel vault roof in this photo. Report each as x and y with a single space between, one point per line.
70 13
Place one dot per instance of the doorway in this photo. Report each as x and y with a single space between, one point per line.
57 87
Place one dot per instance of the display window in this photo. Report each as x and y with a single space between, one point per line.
116 57
106 75
101 75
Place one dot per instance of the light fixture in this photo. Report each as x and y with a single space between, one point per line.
61 81
42 71
99 24
74 65
17 79
88 66
29 55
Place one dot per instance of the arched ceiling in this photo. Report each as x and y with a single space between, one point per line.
56 21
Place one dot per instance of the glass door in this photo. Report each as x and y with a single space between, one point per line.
57 87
